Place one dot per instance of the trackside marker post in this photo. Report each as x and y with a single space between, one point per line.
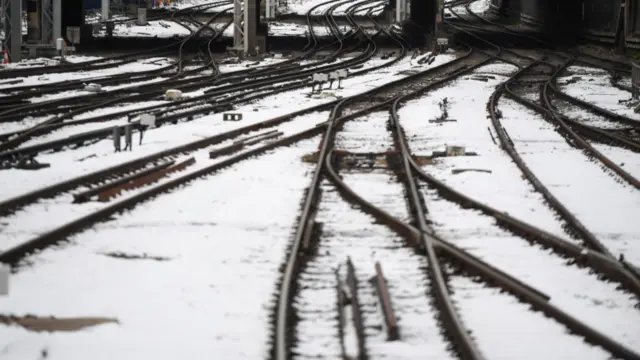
4 279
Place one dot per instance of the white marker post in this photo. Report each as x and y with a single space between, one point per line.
60 46
342 74
4 279
333 76
319 79
147 121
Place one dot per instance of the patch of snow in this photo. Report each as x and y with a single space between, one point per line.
595 88
480 6
570 175
540 338
154 28
419 330
216 238
68 164
504 187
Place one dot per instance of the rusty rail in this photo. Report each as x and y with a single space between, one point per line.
242 143
11 205
112 192
385 304
88 194
358 321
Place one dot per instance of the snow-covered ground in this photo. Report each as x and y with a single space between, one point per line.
131 68
160 29
569 175
224 236
478 7
204 217
71 163
168 29
204 5
594 86
291 29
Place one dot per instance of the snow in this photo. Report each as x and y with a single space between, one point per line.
66 164
403 269
39 62
172 29
505 337
132 68
349 233
574 290
198 306
594 87
160 29
503 188
542 148
480 6
182 4
302 7
292 29
225 235
564 170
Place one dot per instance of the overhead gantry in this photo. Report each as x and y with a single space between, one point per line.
44 25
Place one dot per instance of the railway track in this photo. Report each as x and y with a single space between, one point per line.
147 168
189 108
307 224
426 263
303 250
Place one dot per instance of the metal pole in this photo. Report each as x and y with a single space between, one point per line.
250 26
57 19
16 31
238 31
105 10
46 22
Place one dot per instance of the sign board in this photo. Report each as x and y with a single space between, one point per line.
148 120
342 73
4 279
320 77
442 41
333 75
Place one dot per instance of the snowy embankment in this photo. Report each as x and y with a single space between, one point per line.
570 175
218 239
